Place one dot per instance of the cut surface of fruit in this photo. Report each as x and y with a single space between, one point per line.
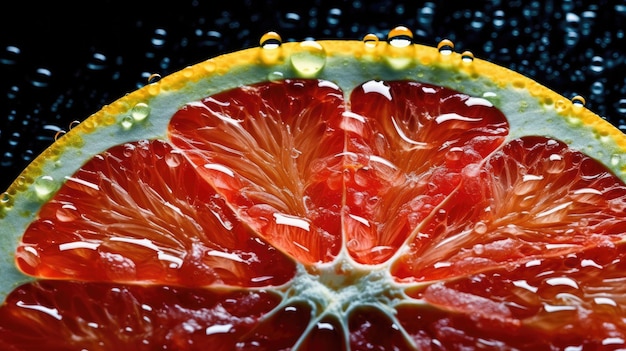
323 195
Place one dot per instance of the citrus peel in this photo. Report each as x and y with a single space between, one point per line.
530 110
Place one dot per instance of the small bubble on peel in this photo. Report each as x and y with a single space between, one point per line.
467 57
400 37
270 40
44 186
445 47
127 122
10 55
140 111
370 41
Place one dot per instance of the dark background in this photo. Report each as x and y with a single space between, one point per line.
60 61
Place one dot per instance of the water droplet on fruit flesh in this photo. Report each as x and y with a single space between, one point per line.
445 47
67 213
309 59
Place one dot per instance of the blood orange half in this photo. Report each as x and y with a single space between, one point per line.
340 195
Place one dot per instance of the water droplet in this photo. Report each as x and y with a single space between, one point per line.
370 41
499 19
400 37
173 159
98 62
616 159
621 106
310 59
597 88
578 101
159 37
270 41
44 186
153 78
140 111
334 15
127 122
571 38
597 64
59 134
41 77
480 227
67 213
10 55
478 22
467 57
5 199
275 76
445 47
290 20
556 164
73 124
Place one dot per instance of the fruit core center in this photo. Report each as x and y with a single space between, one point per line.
343 286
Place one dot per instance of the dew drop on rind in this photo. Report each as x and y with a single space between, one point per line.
153 78
127 122
270 41
578 101
73 124
275 76
140 111
5 199
400 37
59 134
467 57
309 59
445 47
616 159
370 41
44 186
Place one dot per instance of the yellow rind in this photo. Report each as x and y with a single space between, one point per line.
530 107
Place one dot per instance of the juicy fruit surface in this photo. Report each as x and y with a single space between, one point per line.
285 215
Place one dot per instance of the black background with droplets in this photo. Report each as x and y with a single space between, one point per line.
61 61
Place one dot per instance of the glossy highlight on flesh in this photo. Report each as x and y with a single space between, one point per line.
399 216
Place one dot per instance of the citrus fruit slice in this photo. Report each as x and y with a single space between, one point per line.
343 195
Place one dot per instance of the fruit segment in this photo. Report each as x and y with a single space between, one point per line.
274 151
414 146
535 198
61 315
139 212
